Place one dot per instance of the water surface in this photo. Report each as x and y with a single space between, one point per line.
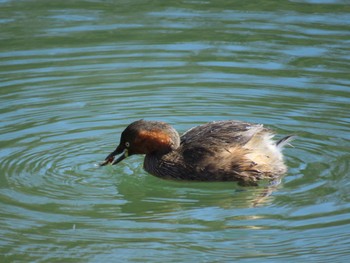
75 73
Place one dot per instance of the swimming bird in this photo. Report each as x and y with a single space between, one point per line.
216 151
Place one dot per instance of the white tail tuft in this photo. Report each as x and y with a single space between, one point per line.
285 141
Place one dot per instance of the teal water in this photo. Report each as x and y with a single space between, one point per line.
75 73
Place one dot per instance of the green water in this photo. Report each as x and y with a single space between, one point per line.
75 73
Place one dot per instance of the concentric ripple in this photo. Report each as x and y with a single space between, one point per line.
75 73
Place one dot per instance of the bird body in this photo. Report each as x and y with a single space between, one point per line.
215 151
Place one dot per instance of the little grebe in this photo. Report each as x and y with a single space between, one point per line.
216 151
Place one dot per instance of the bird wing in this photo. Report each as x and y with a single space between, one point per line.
217 142
221 132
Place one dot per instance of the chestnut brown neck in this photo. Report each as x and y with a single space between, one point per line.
156 141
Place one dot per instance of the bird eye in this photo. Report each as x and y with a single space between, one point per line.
127 144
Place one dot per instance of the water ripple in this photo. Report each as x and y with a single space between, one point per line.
74 77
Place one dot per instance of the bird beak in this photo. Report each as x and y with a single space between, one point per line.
110 158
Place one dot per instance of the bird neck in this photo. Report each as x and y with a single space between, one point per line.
157 141
167 166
